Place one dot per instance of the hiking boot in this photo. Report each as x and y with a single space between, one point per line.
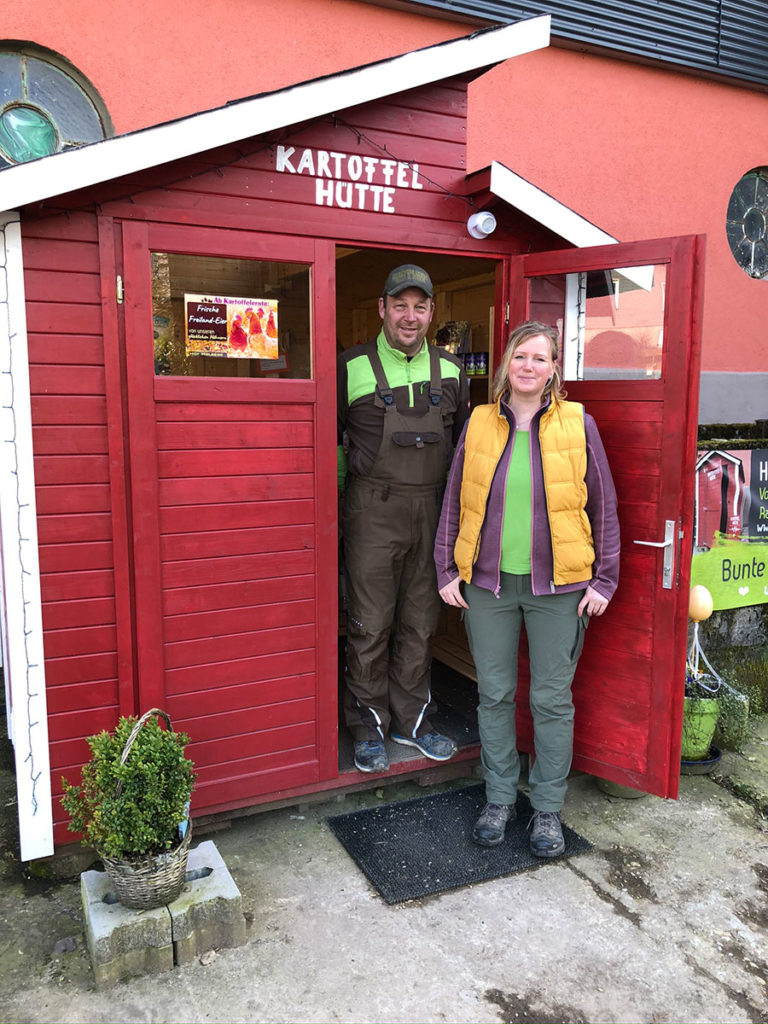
489 827
431 744
371 756
546 834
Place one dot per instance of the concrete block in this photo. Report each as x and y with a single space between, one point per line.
208 913
123 943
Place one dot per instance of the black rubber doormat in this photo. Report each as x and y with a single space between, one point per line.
424 846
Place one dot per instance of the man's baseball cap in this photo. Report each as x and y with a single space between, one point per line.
408 276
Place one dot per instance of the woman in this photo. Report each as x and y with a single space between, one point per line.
528 534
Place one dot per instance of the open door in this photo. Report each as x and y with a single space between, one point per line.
628 318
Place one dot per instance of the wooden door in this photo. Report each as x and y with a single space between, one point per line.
233 506
628 316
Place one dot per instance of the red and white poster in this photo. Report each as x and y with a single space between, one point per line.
231 328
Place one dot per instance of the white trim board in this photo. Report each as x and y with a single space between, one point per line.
125 154
545 209
20 567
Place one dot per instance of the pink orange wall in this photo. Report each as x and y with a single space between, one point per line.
639 151
642 153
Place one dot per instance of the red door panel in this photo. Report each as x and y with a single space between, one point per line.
233 531
633 356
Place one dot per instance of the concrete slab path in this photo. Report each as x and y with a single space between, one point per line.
665 921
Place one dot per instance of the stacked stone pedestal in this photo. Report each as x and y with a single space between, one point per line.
126 943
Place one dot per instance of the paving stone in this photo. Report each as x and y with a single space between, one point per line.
123 943
208 913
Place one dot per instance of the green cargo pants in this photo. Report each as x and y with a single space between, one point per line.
555 638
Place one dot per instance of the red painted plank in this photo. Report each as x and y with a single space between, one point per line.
87 440
71 499
235 595
75 410
75 557
97 611
72 586
252 698
235 463
210 435
61 286
44 253
238 644
208 795
221 390
276 487
219 623
179 546
64 349
210 724
207 678
80 669
259 764
66 380
71 469
66 643
237 516
64 529
79 226
48 316
192 414
203 572
98 693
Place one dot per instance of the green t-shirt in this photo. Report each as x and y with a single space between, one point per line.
516 528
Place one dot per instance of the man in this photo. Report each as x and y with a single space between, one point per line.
402 406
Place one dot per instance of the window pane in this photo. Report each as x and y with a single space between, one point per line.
611 321
219 317
76 117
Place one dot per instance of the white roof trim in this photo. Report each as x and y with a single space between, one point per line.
125 154
545 209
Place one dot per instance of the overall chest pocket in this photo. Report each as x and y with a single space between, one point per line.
416 438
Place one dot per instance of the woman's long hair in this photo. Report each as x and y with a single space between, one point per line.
526 331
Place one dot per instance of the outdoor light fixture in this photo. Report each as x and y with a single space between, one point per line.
481 224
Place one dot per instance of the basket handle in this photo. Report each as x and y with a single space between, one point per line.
134 733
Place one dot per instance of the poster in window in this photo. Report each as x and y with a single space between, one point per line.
231 328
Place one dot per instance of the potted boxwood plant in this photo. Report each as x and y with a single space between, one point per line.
132 807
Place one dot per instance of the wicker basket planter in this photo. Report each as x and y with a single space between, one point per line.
143 883
133 808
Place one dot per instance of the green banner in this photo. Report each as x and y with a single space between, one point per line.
734 571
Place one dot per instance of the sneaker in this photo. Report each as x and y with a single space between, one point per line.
490 826
371 756
546 834
431 744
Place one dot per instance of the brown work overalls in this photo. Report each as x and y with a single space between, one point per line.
389 520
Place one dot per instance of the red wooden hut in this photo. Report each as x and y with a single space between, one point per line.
180 489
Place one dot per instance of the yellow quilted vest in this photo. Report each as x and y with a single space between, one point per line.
564 462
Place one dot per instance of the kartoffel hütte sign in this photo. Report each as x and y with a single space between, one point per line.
348 180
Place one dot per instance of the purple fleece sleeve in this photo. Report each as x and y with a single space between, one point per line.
448 527
601 510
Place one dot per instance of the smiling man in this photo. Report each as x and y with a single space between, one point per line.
402 406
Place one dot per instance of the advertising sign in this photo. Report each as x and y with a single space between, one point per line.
230 328
731 543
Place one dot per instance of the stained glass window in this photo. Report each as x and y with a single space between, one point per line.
746 223
46 106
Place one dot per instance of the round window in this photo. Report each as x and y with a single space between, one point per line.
746 223
46 105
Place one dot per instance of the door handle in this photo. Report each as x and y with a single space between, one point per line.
668 544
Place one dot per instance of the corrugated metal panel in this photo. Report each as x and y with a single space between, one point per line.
728 37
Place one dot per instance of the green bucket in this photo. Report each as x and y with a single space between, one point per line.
699 721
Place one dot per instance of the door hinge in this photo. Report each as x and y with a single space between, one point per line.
119 288
506 312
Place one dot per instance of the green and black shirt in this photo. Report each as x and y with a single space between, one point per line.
360 421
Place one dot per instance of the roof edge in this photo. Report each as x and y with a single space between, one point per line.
125 154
